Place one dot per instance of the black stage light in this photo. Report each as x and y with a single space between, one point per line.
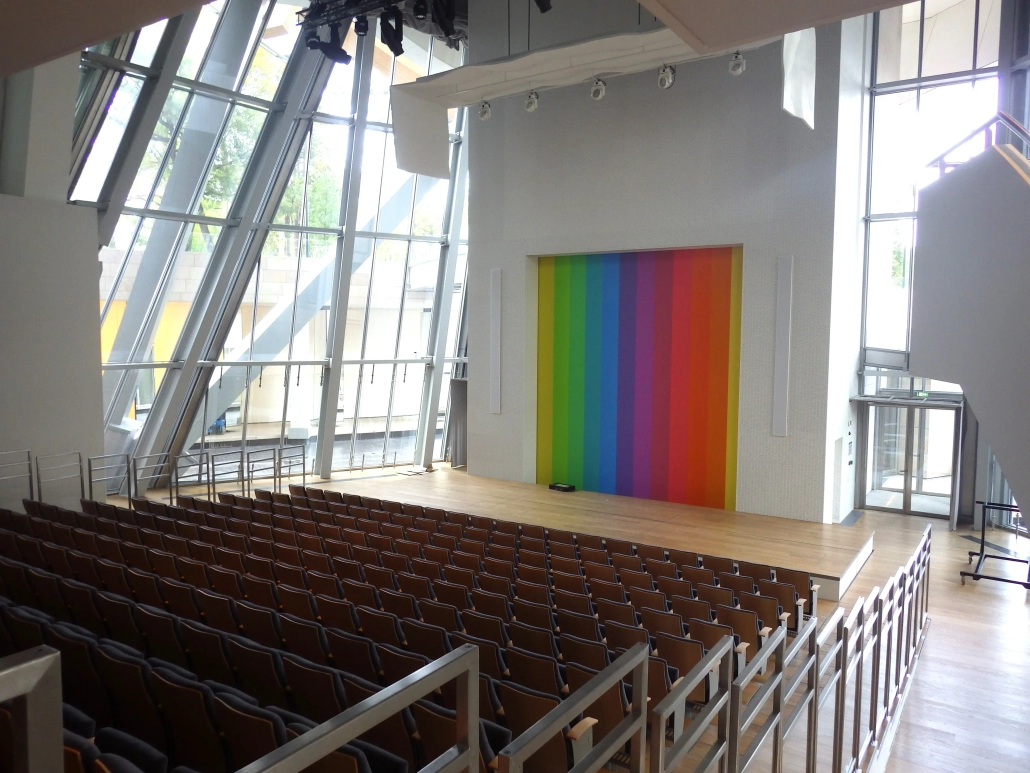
311 40
420 9
361 26
391 24
543 5
333 49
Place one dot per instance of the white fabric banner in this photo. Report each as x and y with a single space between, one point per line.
799 75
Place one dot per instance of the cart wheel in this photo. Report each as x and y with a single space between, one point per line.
963 580
970 560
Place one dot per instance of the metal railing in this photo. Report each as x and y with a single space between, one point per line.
119 471
462 665
57 467
674 706
990 136
36 740
227 467
829 664
148 471
192 469
262 464
13 461
290 459
588 756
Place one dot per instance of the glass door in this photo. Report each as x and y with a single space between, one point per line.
910 458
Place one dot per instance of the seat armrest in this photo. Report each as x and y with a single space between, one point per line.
741 648
577 731
581 738
784 618
764 633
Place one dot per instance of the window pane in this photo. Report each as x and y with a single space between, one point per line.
189 154
314 296
988 33
373 403
200 39
382 76
890 271
113 254
460 280
948 38
345 417
146 43
371 180
230 161
357 305
273 51
395 198
407 405
430 205
277 280
337 98
385 299
151 164
444 58
906 138
105 144
898 50
219 421
265 405
232 43
423 267
182 289
237 341
120 296
414 62
326 169
303 404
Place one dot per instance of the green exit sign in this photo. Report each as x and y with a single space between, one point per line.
922 394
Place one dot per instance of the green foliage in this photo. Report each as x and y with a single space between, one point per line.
899 265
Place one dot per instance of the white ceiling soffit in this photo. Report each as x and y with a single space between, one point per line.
554 67
32 33
716 25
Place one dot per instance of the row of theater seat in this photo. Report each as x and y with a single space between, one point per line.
204 711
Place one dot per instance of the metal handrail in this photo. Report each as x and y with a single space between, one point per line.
589 757
36 742
289 458
743 713
231 461
26 462
202 477
686 735
462 665
45 468
1001 117
158 463
92 466
260 464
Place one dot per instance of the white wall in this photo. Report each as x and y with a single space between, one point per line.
49 328
712 161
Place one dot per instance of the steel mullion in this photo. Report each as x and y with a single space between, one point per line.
182 217
119 275
261 27
226 95
397 342
329 409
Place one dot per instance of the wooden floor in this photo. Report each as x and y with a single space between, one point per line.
969 709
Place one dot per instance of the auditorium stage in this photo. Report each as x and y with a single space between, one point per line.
833 553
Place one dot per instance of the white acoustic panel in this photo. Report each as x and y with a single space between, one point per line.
495 340
781 357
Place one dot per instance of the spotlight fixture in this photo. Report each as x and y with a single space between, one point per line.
420 10
391 29
532 102
666 76
737 64
543 5
361 26
598 89
311 40
333 49
484 111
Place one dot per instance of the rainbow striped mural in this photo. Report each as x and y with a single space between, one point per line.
638 373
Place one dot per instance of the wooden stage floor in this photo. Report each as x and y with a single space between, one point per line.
835 554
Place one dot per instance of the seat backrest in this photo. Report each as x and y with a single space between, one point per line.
260 624
573 602
570 583
395 733
592 654
682 654
305 638
656 622
609 709
162 633
622 637
260 671
785 595
355 654
717 564
442 615
538 672
583 626
714 595
616 612
491 603
672 586
486 627
188 708
380 627
647 599
755 571
651 553
400 604
426 639
631 579
523 708
250 732
491 661
738 583
317 690
127 680
540 641
398 663
744 624
688 608
708 633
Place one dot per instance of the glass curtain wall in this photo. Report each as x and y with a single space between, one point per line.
935 79
263 386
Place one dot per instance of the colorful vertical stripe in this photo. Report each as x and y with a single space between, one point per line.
638 373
